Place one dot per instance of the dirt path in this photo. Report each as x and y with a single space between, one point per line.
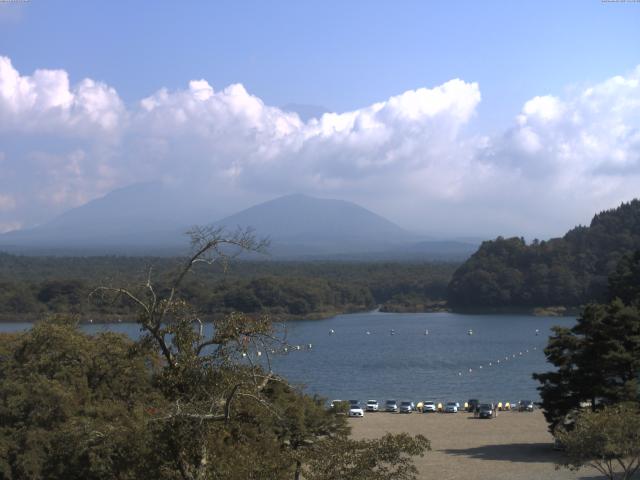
513 446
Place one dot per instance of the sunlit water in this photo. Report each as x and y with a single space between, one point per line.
495 363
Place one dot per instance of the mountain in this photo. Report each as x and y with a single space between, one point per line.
303 225
151 218
131 220
568 271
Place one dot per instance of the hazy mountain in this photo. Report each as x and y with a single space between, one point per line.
127 220
304 225
151 218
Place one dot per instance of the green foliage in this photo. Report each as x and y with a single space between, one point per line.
607 440
31 287
386 458
569 271
597 360
73 406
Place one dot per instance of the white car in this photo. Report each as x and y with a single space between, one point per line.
428 407
372 406
451 407
355 410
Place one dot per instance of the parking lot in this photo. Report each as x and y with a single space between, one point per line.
512 446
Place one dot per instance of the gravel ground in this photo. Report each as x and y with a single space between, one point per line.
512 446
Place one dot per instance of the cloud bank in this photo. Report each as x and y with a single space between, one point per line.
409 157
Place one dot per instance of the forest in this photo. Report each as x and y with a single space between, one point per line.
569 271
33 287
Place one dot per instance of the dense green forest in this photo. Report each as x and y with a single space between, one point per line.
568 271
32 287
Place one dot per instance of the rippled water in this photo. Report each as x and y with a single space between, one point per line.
351 364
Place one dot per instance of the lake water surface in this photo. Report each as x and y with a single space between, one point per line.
493 364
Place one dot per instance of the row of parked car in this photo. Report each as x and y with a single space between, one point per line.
481 410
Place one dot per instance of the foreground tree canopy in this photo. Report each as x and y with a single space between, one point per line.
607 440
189 400
597 360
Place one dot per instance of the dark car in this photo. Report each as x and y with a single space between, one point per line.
472 405
525 406
486 410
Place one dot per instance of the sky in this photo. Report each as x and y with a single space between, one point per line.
477 118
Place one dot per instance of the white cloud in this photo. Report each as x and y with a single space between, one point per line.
45 103
407 157
7 203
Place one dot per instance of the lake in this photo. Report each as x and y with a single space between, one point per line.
495 363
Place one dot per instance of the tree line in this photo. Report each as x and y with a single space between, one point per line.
568 271
31 287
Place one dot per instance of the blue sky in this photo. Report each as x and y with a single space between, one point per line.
336 54
345 56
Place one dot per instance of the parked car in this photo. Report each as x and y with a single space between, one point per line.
451 407
407 407
391 406
525 406
372 406
472 405
428 407
486 410
355 410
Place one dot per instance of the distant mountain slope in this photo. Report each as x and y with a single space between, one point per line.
152 218
568 271
139 216
301 224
